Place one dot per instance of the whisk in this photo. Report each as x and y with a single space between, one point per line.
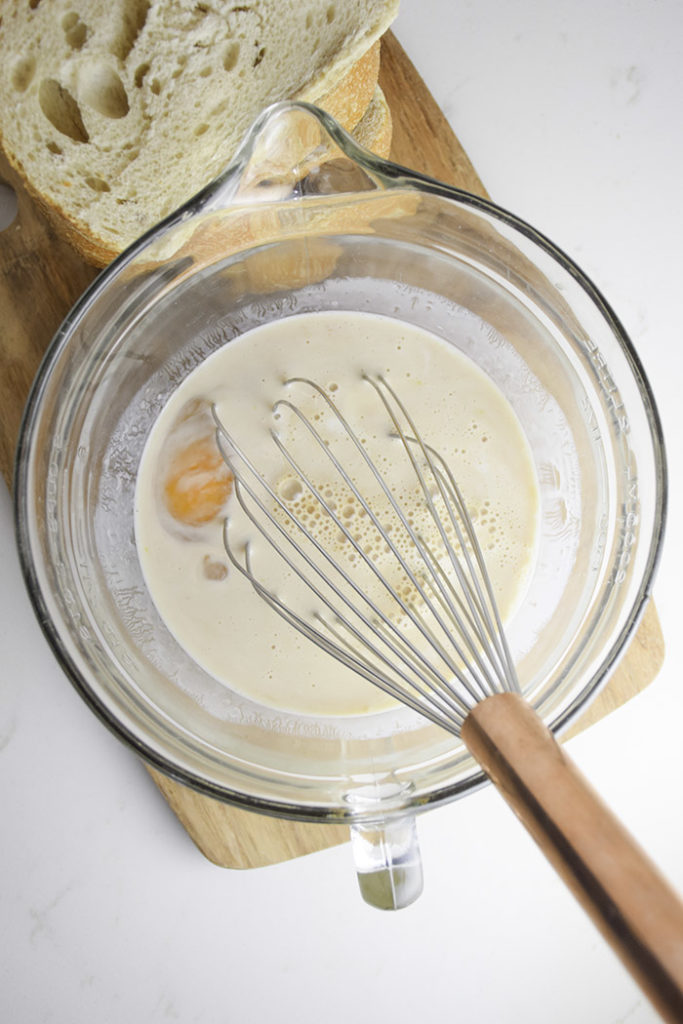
422 623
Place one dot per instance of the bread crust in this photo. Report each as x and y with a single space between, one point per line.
93 250
375 129
349 100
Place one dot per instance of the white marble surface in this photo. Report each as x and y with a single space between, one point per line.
571 112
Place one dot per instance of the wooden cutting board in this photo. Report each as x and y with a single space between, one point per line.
40 278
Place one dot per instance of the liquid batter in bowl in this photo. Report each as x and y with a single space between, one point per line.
184 490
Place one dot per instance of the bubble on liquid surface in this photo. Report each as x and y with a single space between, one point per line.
290 489
383 544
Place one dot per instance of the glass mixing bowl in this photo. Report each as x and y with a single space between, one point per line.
305 220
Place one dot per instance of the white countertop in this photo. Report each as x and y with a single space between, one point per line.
571 113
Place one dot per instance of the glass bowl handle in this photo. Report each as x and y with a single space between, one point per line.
384 843
388 864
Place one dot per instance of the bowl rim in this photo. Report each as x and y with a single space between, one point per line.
390 175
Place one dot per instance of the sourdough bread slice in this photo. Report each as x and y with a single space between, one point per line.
348 101
374 130
115 112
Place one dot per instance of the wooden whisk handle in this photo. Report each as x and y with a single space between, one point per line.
634 907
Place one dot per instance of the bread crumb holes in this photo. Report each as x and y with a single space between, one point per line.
61 110
231 56
102 89
97 184
140 73
75 30
22 73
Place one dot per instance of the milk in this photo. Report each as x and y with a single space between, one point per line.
210 608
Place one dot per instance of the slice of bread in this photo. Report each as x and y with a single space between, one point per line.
115 112
348 101
374 130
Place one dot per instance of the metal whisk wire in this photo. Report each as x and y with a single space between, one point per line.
464 656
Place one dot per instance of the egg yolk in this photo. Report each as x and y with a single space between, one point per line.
197 484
